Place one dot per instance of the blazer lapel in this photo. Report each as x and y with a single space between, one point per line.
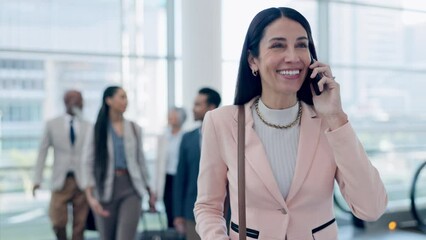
65 135
197 141
128 137
79 140
310 130
256 156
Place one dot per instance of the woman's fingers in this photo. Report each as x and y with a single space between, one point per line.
318 67
327 82
324 71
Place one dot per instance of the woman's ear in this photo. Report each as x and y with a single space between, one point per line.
108 101
252 62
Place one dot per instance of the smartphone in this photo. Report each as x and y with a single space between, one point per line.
315 80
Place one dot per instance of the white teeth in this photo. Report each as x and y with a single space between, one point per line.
289 72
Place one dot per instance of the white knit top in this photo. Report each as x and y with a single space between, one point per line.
280 144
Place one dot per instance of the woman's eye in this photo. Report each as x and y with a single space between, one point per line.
302 45
277 45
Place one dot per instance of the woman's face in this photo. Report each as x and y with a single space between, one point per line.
118 102
173 118
284 57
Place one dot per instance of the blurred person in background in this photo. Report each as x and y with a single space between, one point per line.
185 182
114 169
65 134
167 160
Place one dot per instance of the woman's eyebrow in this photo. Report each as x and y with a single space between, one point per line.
285 39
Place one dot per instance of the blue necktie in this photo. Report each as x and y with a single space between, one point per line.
72 133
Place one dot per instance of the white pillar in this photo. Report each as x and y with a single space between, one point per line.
201 49
53 102
323 32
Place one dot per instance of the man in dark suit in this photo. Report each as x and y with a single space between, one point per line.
185 183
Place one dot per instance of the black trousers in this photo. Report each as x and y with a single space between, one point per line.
168 200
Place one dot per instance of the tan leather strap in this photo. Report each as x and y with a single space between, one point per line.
241 174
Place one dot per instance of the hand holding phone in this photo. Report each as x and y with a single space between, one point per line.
315 80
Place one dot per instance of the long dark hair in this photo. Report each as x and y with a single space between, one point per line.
101 137
249 86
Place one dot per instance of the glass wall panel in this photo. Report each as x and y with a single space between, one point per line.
148 101
78 25
23 122
377 56
152 24
416 5
48 47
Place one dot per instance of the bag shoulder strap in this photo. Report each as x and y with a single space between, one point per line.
241 174
138 145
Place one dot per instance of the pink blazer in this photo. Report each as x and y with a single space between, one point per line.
307 213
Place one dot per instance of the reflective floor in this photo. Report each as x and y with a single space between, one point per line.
22 217
350 233
35 226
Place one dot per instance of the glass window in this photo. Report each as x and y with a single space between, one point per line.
48 47
81 26
153 29
377 55
416 5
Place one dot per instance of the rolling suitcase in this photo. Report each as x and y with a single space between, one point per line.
161 233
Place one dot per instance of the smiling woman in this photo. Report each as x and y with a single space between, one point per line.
296 143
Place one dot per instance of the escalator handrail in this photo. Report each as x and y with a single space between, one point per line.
414 210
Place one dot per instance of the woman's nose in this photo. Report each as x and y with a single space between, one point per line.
291 56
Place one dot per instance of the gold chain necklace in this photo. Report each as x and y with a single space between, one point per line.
299 115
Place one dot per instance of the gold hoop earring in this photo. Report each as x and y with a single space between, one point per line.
254 72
